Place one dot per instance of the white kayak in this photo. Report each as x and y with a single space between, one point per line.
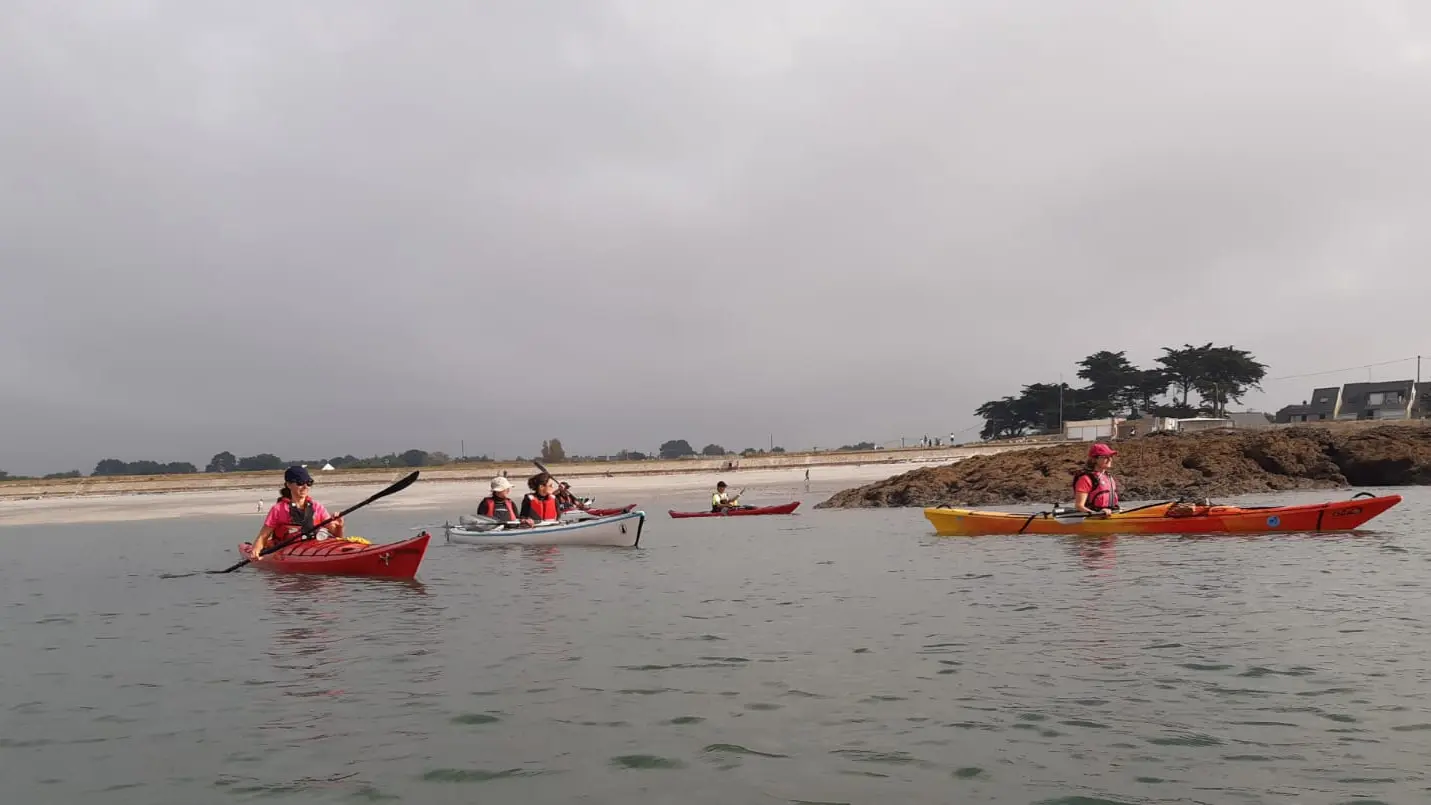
620 530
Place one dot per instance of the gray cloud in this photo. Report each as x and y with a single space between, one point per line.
367 226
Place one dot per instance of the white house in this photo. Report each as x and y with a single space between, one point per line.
1088 430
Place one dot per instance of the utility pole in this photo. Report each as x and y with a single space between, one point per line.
1060 402
464 448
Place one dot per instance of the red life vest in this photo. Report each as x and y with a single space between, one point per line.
542 509
488 508
1099 497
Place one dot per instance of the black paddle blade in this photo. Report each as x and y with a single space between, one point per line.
399 486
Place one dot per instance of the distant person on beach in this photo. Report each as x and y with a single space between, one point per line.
807 475
1095 492
295 512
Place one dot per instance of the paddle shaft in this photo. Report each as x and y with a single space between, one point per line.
544 469
397 487
1067 515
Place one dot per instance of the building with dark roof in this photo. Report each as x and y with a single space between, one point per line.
1390 399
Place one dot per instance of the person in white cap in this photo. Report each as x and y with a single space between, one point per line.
499 505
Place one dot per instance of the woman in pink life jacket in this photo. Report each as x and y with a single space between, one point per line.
1095 492
499 505
294 512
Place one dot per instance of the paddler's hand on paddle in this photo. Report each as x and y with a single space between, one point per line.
527 522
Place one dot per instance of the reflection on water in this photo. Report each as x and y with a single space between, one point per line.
1094 552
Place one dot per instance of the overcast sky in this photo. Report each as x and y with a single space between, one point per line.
353 226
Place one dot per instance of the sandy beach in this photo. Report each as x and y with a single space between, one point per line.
449 497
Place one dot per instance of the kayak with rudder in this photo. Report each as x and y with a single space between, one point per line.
618 530
345 557
1169 517
784 508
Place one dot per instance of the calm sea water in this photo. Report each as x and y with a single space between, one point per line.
832 656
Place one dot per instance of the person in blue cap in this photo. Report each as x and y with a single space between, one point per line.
294 512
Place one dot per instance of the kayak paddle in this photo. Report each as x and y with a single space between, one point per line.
397 487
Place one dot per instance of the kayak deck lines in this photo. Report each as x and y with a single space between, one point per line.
784 508
345 557
1168 517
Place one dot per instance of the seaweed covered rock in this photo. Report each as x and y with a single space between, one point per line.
1217 463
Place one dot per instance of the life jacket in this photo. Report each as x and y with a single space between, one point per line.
542 509
488 508
300 520
1098 497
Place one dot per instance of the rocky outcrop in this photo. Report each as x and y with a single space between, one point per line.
1166 466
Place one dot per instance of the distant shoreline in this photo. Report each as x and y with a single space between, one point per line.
445 497
17 491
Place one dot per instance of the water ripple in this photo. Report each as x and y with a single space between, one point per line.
854 659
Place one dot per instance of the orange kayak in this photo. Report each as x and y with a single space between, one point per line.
1167 518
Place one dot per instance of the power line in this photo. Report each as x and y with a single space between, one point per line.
1347 369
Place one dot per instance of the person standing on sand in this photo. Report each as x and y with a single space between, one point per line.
1095 492
294 512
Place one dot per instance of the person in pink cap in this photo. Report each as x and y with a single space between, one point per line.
1094 490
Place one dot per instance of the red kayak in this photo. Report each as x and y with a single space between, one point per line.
395 560
607 512
784 508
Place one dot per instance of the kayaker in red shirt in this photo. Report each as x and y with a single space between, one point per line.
540 504
294 511
499 505
1094 489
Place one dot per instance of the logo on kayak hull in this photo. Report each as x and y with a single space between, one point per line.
1274 521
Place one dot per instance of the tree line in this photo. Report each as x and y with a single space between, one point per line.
551 452
1115 387
226 461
